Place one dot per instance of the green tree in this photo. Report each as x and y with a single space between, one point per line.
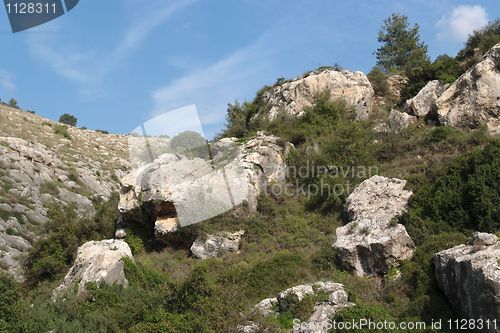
378 79
479 42
446 68
68 119
402 49
13 103
191 144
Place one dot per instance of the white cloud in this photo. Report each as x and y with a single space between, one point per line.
7 80
461 22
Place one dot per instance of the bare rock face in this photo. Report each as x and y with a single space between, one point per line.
330 298
175 190
396 122
423 102
372 243
396 84
469 276
97 261
39 166
217 245
474 98
292 97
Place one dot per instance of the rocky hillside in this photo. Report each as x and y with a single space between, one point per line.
43 163
321 202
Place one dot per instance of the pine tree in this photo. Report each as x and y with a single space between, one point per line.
402 49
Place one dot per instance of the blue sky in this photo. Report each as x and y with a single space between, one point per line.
116 64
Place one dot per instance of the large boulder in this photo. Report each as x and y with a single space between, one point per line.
176 190
372 242
473 99
97 262
329 297
469 276
423 102
292 97
217 245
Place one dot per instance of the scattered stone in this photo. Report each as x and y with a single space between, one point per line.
324 309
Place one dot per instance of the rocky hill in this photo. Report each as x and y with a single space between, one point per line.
43 163
325 202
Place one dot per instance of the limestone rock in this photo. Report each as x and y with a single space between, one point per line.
39 167
372 243
399 121
175 188
469 276
378 198
474 98
396 84
97 261
323 309
217 245
292 97
423 102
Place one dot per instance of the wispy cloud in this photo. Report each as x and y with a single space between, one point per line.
213 86
7 80
147 24
90 67
461 22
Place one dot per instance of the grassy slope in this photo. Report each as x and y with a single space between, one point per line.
287 243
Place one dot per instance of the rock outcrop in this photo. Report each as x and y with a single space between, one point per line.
329 297
372 243
175 190
396 122
469 276
473 99
292 97
421 105
39 167
395 85
217 245
97 262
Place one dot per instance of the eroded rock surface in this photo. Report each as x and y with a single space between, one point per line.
473 99
469 276
39 167
329 297
372 242
97 262
174 188
423 102
292 97
217 245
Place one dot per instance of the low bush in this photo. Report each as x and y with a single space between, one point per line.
62 130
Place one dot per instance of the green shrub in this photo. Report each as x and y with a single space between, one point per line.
482 40
13 103
62 130
360 311
65 232
378 79
68 119
465 196
9 295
